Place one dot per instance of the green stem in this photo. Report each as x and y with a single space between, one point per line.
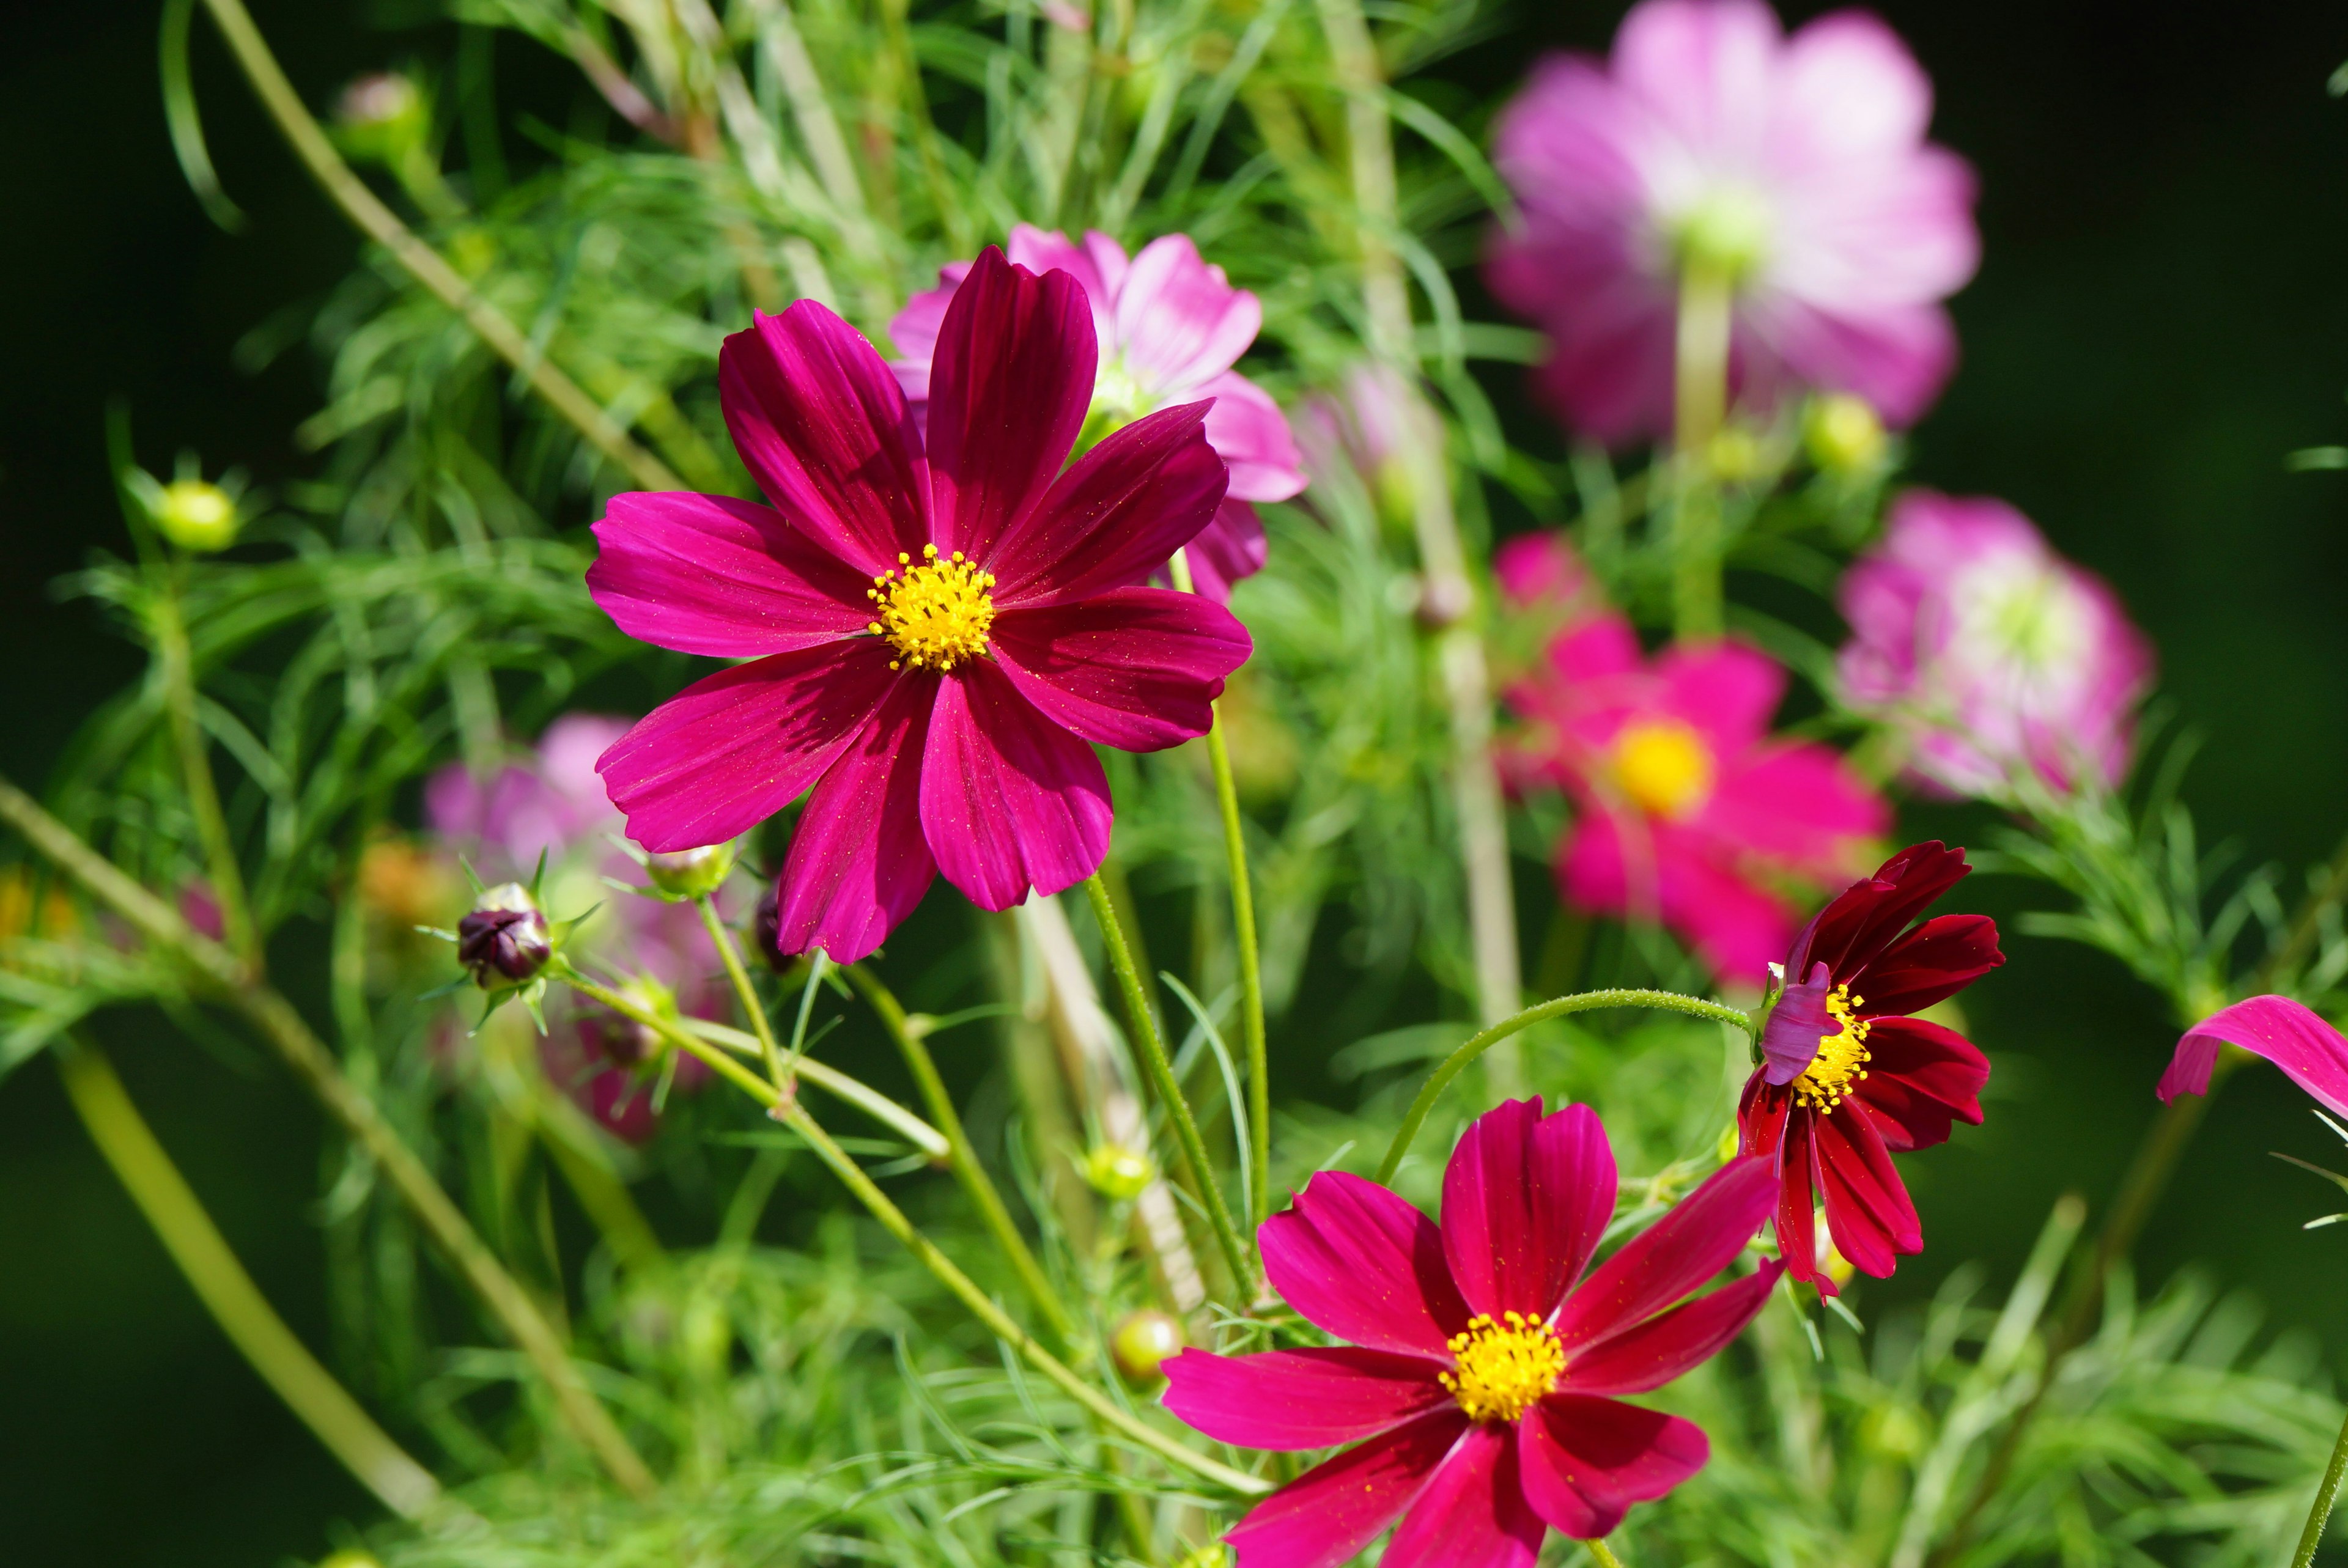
1665 1001
2325 1493
1700 399
1192 1148
694 1032
196 773
1606 1558
760 1024
229 1294
963 1159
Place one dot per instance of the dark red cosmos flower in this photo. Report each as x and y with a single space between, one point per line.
1847 1079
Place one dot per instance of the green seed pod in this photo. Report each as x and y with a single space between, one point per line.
1116 1172
196 515
1141 1343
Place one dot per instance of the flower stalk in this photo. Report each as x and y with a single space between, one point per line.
2326 1492
762 1027
177 661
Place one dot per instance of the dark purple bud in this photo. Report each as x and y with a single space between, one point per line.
766 932
622 1041
503 939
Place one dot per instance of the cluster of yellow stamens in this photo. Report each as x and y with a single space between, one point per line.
1842 1057
936 614
1503 1366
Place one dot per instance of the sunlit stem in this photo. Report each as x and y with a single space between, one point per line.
1227 801
1606 1557
1700 401
179 700
746 993
1587 1001
226 1291
963 1157
1188 1143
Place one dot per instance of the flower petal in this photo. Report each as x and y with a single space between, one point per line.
914 331
1473 1512
1011 803
1098 266
1115 517
824 429
1327 1515
1178 320
1525 1199
858 863
1920 1078
1726 692
1934 961
1360 1263
1869 1214
1860 921
1230 548
1251 434
709 574
1797 1163
1667 1346
1671 1257
1135 668
1583 1460
1008 391
2310 1052
1291 1400
733 749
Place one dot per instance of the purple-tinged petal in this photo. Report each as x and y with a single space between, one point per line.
1360 1263
1178 320
1789 1041
1251 434
2310 1052
1473 1512
1674 1343
1869 1216
1583 1460
1011 803
1671 1257
1134 667
734 748
1291 1400
709 574
1525 1199
1325 1516
823 426
1008 391
1230 548
1115 517
858 863
1933 962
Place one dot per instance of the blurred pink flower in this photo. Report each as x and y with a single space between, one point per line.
1798 166
1689 812
1989 652
1170 327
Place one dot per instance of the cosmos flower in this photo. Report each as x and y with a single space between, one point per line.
1480 1384
1848 1078
2310 1052
1793 169
1689 812
1169 328
1993 656
936 629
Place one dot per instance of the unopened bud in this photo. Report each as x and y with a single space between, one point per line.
1843 434
623 1041
380 116
690 873
504 938
1737 456
196 515
1116 1172
1141 1343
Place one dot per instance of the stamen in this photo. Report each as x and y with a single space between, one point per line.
1842 1058
1503 1368
937 614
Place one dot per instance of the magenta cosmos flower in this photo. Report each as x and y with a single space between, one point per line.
936 630
1689 812
1993 656
1480 1385
2310 1052
1794 167
1848 1078
1170 327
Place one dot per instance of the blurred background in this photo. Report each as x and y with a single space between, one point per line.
2160 319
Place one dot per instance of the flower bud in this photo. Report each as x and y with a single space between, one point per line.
1213 1555
1116 1172
196 515
1141 1342
690 873
380 117
767 931
1843 434
621 1040
504 938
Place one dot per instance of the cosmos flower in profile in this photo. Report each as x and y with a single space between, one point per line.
1791 170
937 628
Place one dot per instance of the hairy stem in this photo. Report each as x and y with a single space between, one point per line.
420 260
1605 1556
1587 1001
1700 399
1192 1147
2325 1493
177 662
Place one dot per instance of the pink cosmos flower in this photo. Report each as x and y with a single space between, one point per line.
1992 655
1795 166
1481 1394
936 628
2310 1052
1170 327
1689 814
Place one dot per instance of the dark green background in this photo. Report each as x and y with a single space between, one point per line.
2162 316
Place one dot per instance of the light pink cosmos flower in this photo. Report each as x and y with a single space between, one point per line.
1481 1395
1689 812
1169 328
1796 166
936 629
1992 655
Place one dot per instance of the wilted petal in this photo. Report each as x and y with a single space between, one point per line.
1135 668
1291 1400
858 863
1473 1513
1525 1199
1671 1257
1011 803
1360 1263
1329 1514
709 574
2310 1052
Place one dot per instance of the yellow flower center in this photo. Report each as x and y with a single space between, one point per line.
1842 1057
1663 766
935 614
1504 1367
